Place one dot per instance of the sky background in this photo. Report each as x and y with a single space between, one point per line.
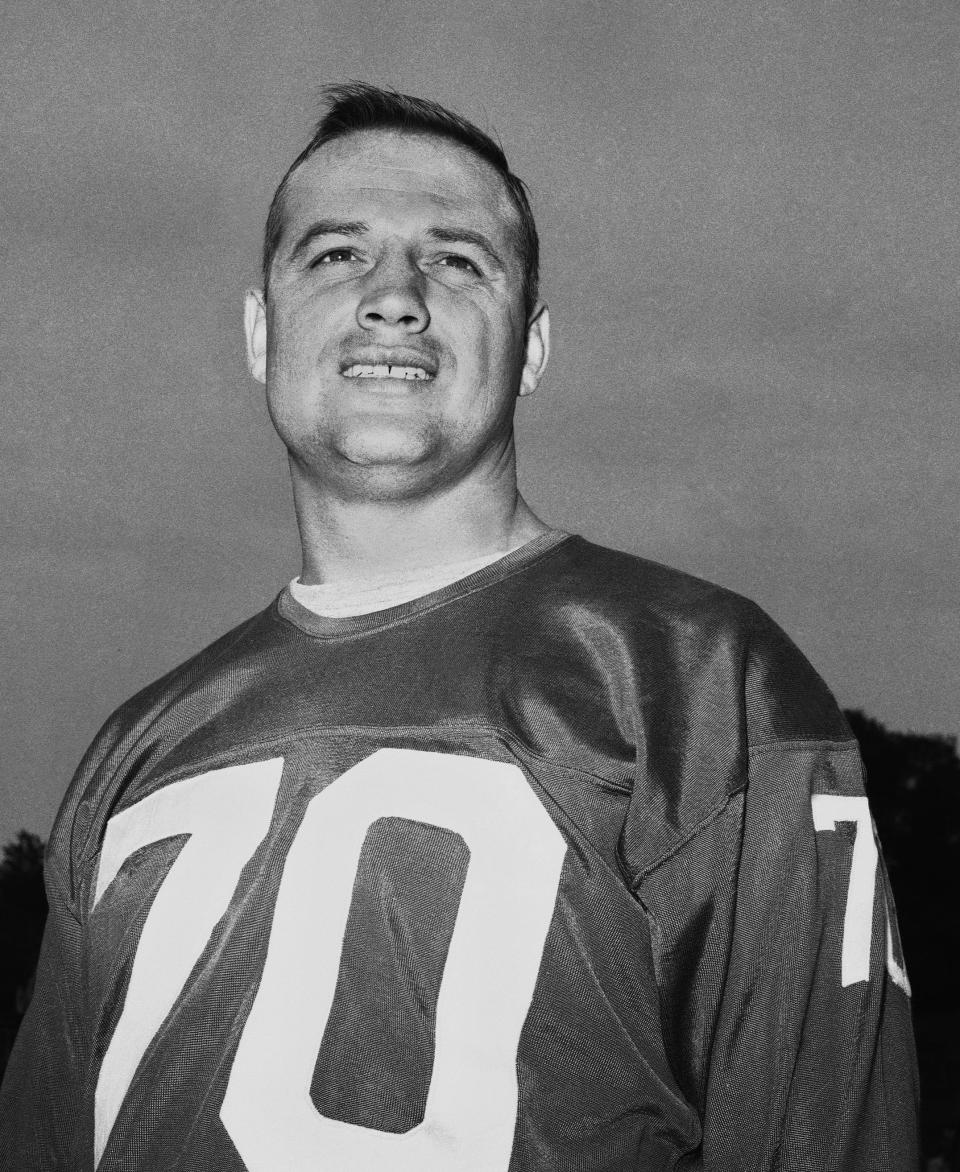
749 216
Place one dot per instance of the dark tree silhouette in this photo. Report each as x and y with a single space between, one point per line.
23 911
913 782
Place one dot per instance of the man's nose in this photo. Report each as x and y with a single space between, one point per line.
394 298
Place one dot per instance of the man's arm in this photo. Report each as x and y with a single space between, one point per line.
812 1063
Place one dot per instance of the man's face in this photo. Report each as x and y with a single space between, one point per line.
394 340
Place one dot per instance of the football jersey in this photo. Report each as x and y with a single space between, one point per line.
565 866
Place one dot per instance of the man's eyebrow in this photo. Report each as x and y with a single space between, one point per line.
328 228
467 236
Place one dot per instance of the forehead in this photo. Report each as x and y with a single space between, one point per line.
398 174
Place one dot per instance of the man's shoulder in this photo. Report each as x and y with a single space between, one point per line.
232 654
228 652
707 636
654 592
127 738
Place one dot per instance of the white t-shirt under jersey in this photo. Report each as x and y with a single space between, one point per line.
348 598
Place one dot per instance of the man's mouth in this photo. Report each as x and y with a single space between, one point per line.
404 373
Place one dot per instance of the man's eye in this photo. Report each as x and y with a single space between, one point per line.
452 260
333 256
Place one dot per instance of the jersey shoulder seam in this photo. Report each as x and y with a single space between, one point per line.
791 745
466 728
800 743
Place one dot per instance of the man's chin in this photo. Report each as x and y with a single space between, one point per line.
388 451
389 466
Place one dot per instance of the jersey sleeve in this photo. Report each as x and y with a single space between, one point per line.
40 1101
794 1030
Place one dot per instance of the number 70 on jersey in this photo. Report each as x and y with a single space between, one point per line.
448 791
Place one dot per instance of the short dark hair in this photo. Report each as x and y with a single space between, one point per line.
357 106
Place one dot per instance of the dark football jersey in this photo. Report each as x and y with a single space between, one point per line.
566 866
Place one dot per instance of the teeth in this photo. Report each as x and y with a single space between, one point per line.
408 373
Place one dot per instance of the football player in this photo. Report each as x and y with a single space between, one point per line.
482 848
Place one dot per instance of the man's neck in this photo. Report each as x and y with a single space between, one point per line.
363 541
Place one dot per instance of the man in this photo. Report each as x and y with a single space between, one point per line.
482 848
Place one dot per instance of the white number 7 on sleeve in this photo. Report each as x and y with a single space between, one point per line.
828 811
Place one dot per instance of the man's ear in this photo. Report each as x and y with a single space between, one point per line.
538 349
255 328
